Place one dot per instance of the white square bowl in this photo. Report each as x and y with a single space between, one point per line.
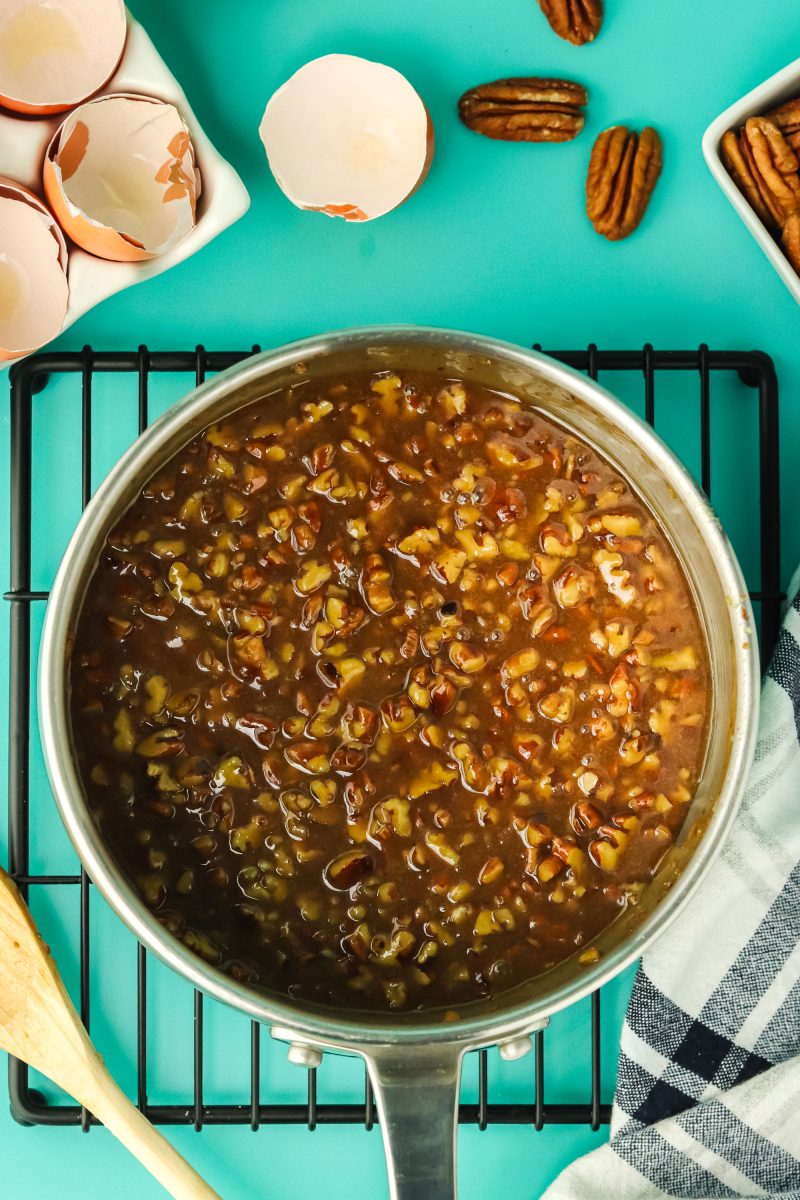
223 198
768 95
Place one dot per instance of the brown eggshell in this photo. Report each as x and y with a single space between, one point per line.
348 137
90 159
33 245
55 55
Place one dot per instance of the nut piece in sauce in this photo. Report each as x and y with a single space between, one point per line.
233 772
453 399
622 525
624 692
473 772
375 585
477 544
676 660
435 776
312 576
535 607
447 564
619 635
404 472
443 694
340 672
162 743
348 758
438 841
573 586
310 757
467 657
344 872
421 542
157 690
491 871
343 617
391 816
512 453
662 717
558 706
548 867
398 713
519 664
615 577
260 729
556 540
633 749
605 852
183 703
325 718
360 723
124 732
491 921
323 791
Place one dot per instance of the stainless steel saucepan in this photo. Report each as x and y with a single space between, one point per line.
414 1060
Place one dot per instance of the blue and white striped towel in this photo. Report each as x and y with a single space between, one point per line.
708 1089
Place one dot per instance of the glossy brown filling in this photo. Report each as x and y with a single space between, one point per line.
389 693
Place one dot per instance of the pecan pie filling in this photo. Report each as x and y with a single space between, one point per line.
389 692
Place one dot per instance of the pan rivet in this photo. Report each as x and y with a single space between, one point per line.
516 1048
304 1056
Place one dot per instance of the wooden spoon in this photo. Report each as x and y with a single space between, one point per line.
39 1025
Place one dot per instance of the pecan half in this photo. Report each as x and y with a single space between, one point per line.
739 169
577 21
791 240
773 164
787 118
623 171
525 109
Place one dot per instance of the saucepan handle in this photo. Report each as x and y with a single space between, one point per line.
416 1092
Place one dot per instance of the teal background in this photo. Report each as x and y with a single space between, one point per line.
496 241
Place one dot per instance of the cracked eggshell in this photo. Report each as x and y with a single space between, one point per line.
347 137
56 53
121 177
33 272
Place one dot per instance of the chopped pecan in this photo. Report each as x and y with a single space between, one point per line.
576 21
349 758
260 729
525 109
467 657
345 871
398 713
360 723
623 171
443 695
375 582
161 743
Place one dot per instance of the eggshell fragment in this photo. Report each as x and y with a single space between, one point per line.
347 137
56 53
121 177
33 272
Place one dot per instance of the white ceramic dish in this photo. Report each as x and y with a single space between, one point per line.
768 95
224 198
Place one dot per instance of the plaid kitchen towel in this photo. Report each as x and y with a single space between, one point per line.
708 1088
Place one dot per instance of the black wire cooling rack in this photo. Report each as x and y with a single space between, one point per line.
755 371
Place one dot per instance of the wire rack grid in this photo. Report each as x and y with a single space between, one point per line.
755 378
